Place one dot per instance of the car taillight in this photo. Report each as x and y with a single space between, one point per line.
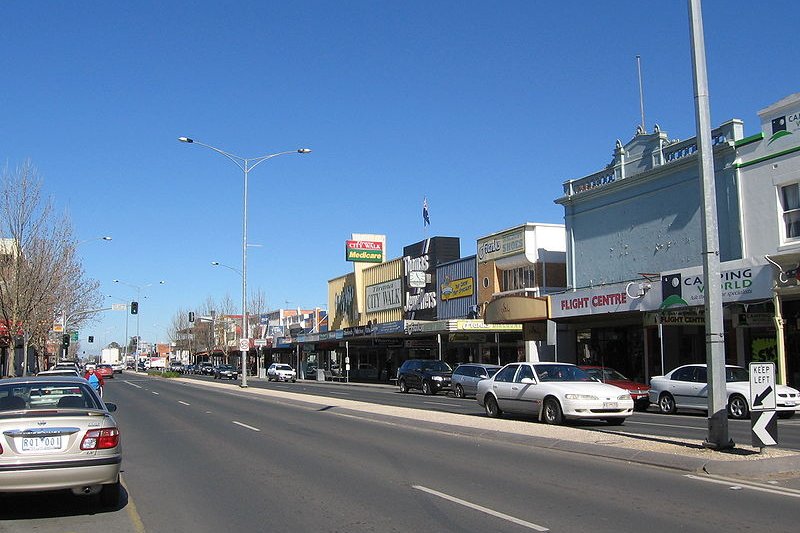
100 439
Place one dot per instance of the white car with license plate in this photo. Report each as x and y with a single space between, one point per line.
56 433
281 372
554 393
686 387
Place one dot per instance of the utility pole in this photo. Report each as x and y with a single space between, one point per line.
718 438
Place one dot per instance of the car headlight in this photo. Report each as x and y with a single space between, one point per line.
624 397
437 378
580 397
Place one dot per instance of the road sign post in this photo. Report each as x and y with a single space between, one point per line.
763 401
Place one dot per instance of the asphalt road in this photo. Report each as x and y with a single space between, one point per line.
199 459
684 425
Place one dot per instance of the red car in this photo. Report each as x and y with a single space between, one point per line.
106 371
638 391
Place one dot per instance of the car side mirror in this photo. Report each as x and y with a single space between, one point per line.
111 407
484 376
528 381
597 380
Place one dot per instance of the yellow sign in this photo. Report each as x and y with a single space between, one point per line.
457 288
58 328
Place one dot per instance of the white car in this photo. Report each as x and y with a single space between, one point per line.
60 372
553 392
686 387
56 433
281 372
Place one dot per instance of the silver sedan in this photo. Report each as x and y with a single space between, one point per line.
56 433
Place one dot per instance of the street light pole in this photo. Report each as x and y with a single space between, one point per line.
138 297
245 165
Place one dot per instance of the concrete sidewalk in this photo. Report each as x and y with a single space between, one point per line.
601 441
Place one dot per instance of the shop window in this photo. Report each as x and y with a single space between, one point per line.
518 278
790 203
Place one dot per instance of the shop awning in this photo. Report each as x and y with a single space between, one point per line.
515 309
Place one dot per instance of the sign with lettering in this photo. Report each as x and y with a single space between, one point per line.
762 386
502 245
364 251
384 296
457 288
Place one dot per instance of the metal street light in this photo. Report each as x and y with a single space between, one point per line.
217 263
127 313
104 238
245 165
138 297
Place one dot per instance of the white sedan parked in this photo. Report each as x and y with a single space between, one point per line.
281 372
686 387
554 392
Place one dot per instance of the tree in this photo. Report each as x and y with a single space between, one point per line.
40 273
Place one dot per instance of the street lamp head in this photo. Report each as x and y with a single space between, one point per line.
215 263
116 281
304 151
185 140
106 238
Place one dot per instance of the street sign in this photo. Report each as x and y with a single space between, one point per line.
58 328
119 307
762 386
260 342
75 336
764 427
244 344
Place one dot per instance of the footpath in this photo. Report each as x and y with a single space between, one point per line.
668 452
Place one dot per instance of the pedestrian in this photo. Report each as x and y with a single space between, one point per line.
95 380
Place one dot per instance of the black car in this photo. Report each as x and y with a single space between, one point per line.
225 371
428 375
206 369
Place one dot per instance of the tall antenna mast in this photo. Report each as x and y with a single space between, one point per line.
641 93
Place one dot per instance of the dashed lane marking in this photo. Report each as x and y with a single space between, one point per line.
736 484
184 403
482 509
245 426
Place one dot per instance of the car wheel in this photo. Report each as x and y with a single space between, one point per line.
459 391
427 389
492 409
109 496
403 386
666 404
294 380
616 421
738 408
552 413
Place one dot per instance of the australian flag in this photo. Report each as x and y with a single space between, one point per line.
426 219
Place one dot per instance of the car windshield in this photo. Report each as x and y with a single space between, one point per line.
436 366
47 394
733 374
226 367
561 373
283 367
605 374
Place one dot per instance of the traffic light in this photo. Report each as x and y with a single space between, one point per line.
134 308
191 316
65 340
91 338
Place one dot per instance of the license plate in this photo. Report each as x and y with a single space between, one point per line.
610 405
38 444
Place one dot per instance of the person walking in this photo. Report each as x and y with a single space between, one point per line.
95 380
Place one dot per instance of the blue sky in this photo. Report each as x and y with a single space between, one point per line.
485 108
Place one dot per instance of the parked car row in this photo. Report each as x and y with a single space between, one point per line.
556 392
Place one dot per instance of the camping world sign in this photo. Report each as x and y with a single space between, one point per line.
364 251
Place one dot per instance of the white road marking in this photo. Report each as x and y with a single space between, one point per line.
629 421
482 509
340 393
184 403
154 392
737 484
133 385
245 425
441 403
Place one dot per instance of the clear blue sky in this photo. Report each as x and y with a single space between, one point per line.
486 108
